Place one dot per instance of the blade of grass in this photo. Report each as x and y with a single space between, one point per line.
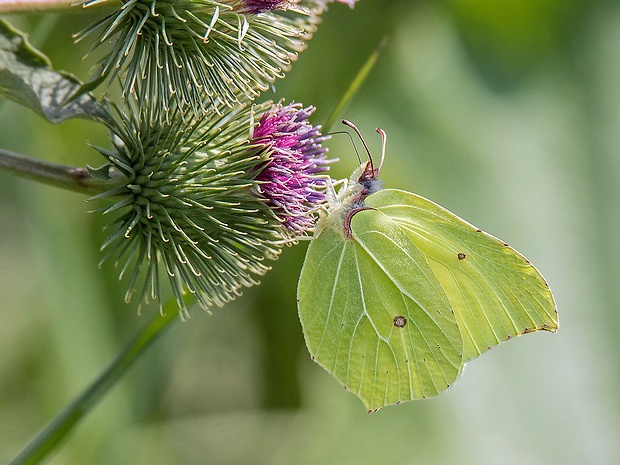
64 423
355 85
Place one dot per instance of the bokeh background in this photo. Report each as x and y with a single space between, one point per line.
507 113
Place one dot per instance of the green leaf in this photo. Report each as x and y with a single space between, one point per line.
27 77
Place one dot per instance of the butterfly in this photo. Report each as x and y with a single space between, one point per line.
397 293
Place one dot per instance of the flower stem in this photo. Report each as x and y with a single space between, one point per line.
67 177
52 435
33 6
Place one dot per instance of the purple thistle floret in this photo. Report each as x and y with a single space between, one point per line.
260 6
291 179
351 3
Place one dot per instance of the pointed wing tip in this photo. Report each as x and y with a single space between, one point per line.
375 408
372 408
551 328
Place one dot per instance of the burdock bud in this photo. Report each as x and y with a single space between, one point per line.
199 55
204 206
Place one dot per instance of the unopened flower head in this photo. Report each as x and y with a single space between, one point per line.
292 179
201 54
185 208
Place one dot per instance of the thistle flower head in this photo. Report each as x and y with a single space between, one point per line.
201 54
290 180
185 209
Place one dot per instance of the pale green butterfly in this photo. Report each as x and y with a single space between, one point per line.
396 293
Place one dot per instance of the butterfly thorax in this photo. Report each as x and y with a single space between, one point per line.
349 200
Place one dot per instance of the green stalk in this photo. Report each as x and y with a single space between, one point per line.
34 6
52 435
355 85
67 177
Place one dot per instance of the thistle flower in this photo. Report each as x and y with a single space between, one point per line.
351 3
188 206
260 6
204 54
291 180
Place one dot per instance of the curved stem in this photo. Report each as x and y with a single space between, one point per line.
54 433
33 6
67 177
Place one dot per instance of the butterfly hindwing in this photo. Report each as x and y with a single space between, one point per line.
495 292
374 315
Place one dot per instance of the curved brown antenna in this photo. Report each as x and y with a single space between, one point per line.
359 134
383 144
348 134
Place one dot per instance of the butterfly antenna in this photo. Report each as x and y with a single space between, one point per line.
359 134
383 144
352 142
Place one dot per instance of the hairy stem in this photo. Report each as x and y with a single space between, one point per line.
52 435
33 6
72 178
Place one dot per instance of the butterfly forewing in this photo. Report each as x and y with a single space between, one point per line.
495 292
374 315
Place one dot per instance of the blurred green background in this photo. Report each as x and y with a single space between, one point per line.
507 113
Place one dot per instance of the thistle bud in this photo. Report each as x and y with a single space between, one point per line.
200 54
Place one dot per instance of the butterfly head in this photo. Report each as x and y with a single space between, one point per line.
366 176
368 179
352 195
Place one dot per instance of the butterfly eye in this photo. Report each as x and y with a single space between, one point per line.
369 173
